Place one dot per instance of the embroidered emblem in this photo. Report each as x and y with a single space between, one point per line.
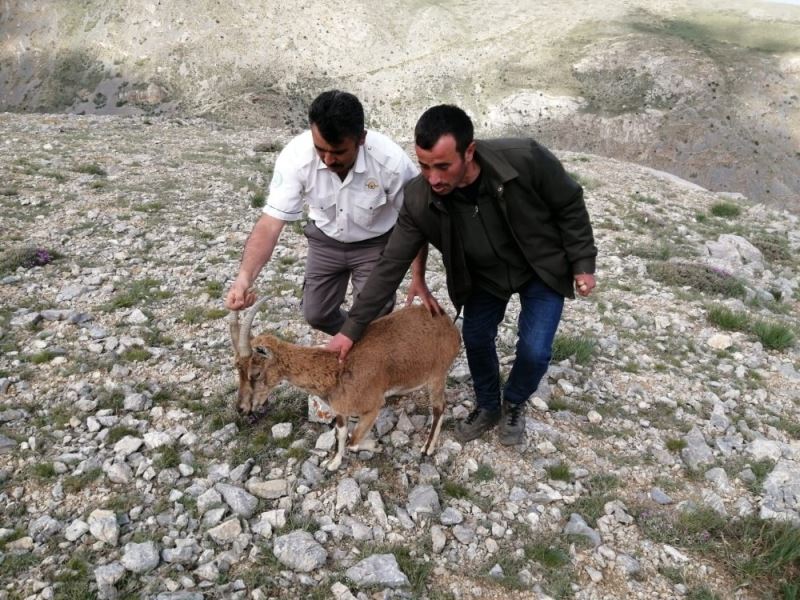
372 185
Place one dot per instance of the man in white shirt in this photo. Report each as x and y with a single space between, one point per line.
352 181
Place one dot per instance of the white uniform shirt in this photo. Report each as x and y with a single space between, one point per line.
363 206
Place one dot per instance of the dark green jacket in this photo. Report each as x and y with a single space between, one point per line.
544 209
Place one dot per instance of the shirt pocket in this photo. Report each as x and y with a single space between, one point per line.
367 208
322 208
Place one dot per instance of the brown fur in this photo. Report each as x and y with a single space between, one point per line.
403 351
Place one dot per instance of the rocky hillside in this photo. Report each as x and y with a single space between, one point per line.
706 90
662 455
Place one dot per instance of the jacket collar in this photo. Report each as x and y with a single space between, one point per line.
493 163
496 168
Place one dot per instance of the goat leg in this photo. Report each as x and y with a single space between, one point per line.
341 435
436 395
357 439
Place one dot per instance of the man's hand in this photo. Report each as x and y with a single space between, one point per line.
240 296
340 343
585 283
419 289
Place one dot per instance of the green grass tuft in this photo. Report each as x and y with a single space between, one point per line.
580 347
115 434
141 291
42 357
456 490
725 209
559 472
730 320
676 444
44 470
198 314
91 169
484 473
258 199
75 483
168 458
774 336
135 354
548 555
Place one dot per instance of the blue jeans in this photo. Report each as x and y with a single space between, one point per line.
538 321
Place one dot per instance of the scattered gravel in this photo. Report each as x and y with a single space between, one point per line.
125 466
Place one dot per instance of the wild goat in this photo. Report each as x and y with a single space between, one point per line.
404 351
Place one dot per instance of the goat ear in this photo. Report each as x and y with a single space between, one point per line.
262 351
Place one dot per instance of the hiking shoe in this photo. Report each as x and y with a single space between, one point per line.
477 422
512 425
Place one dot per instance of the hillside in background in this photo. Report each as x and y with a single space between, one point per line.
706 90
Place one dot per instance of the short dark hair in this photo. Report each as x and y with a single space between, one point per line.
337 115
442 120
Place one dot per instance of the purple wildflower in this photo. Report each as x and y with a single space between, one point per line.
42 257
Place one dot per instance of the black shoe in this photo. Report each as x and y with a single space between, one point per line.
512 425
477 422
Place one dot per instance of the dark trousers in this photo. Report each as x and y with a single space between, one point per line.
539 317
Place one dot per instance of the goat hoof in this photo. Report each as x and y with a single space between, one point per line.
332 464
369 445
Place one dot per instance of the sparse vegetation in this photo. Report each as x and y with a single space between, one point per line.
168 458
138 292
587 183
484 473
636 351
26 257
774 336
152 206
257 199
660 251
135 354
454 489
581 348
725 318
764 553
75 483
774 248
44 470
700 277
644 198
591 505
42 357
199 314
116 433
559 472
725 209
91 169
676 444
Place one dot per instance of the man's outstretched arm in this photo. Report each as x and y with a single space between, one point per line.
257 251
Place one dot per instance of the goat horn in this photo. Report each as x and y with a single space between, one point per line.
247 323
233 324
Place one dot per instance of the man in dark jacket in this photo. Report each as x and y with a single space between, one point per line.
508 220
